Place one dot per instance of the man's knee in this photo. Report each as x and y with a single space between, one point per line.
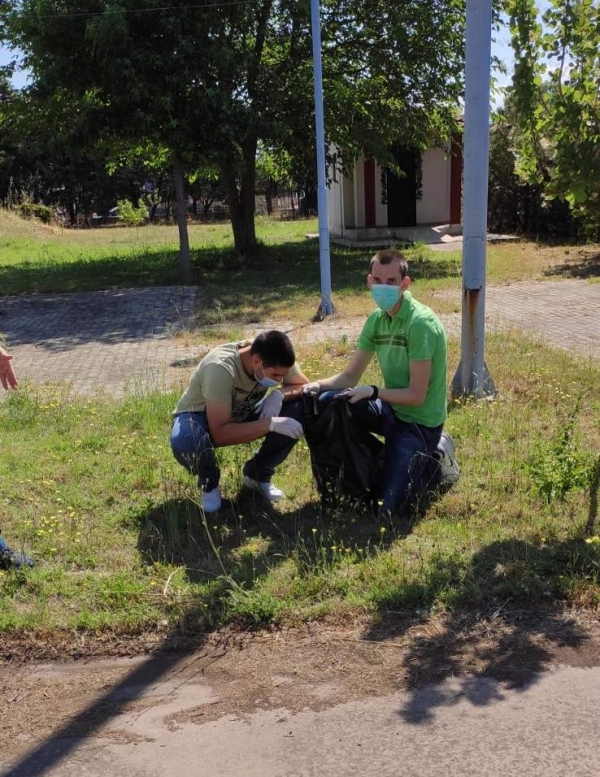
189 435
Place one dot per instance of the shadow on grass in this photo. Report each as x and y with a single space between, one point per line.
146 267
281 273
509 645
287 264
587 267
115 300
248 537
501 625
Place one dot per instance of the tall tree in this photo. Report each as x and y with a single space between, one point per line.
556 91
210 80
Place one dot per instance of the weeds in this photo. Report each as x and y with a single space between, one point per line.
560 465
90 489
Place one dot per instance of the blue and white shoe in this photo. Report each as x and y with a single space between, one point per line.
211 501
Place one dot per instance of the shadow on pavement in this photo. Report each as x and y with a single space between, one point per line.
61 322
587 267
66 739
488 632
115 299
485 635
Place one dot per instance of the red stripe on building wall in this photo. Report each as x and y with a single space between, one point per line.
369 179
456 163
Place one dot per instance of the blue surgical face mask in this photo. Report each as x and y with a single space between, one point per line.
264 381
385 296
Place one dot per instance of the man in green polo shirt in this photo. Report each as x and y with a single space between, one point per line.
409 409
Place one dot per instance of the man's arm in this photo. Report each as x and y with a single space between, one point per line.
416 391
293 389
225 432
7 373
414 394
351 375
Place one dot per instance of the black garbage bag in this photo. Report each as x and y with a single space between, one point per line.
346 459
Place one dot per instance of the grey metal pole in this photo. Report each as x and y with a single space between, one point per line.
472 376
326 308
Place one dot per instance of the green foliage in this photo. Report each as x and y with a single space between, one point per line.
517 205
555 89
130 214
29 210
209 85
560 465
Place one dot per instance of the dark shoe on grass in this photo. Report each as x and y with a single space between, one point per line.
449 469
10 558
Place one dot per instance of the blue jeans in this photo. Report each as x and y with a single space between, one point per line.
194 449
409 462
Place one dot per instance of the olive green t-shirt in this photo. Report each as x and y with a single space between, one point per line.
415 333
220 377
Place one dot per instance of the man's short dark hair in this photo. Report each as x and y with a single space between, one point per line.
274 348
388 256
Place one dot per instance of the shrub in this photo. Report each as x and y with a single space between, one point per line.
560 465
31 210
132 216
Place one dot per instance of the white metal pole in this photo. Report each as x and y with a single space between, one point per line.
326 308
472 376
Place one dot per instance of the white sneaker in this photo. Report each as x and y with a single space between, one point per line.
211 501
450 471
271 492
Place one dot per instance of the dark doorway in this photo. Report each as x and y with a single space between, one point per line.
402 192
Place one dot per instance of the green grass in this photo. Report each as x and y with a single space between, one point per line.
282 278
89 487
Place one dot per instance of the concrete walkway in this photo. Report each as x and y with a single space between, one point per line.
134 339
437 237
462 727
562 314
114 341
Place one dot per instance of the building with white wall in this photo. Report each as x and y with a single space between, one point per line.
371 201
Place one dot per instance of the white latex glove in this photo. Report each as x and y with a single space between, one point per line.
272 405
357 393
288 426
312 388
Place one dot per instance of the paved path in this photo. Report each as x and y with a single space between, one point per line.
133 339
116 341
462 727
563 314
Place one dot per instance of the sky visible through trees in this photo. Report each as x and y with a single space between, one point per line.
501 48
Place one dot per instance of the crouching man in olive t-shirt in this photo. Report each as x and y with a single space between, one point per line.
226 403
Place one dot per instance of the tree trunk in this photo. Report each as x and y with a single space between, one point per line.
269 197
184 243
241 201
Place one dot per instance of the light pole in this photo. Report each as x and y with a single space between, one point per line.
326 307
472 376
